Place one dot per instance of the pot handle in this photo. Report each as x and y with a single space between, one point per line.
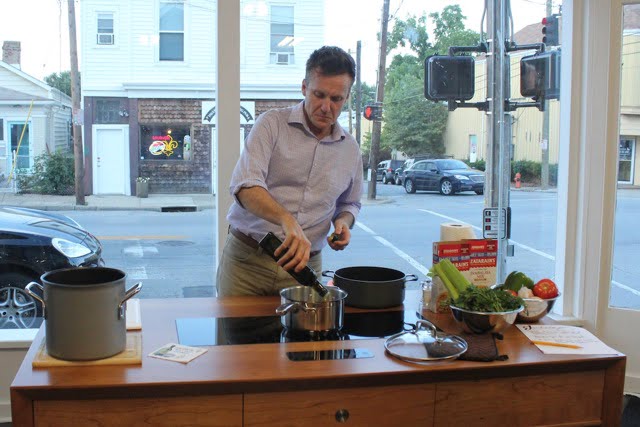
426 325
410 278
292 307
328 273
127 295
36 296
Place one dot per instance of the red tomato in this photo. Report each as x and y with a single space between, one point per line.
545 289
511 292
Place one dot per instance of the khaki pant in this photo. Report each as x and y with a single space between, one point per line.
244 270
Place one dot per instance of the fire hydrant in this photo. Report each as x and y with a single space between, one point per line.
517 179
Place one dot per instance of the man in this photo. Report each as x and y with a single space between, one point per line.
298 174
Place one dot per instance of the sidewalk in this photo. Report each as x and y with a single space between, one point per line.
155 202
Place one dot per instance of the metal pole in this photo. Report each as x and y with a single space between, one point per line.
498 120
78 152
544 172
358 92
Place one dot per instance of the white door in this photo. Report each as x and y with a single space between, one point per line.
619 313
111 174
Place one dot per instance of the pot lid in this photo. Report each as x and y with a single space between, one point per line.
424 343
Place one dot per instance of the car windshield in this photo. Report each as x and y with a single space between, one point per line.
452 164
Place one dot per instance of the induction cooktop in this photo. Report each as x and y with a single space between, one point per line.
215 331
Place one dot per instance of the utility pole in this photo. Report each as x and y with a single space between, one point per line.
544 172
358 91
499 122
377 125
78 153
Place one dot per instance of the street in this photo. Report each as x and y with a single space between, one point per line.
173 253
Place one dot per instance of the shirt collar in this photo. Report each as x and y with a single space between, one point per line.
297 116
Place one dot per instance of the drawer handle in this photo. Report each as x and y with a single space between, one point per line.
342 415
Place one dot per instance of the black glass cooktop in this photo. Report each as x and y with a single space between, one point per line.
211 331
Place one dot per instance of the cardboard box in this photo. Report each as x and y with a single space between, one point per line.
456 251
483 256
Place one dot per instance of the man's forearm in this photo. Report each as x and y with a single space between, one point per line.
346 218
259 202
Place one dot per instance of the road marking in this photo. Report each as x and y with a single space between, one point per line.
137 273
529 248
138 251
160 237
421 268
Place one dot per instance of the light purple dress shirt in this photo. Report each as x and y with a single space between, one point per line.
313 179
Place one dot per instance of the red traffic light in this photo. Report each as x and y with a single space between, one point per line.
368 112
544 21
372 112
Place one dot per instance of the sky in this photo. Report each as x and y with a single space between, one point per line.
41 27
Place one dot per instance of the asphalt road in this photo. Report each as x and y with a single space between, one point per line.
173 253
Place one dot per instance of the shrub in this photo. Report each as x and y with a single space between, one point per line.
52 174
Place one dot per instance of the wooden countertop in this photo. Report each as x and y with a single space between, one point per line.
265 367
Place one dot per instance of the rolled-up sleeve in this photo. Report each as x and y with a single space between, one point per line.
252 167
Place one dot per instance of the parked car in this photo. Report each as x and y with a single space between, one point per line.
448 176
399 172
33 242
385 170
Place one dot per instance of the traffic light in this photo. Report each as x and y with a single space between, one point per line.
550 33
372 112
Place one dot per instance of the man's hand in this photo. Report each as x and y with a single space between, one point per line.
341 235
295 248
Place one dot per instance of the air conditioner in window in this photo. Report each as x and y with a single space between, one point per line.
105 38
282 58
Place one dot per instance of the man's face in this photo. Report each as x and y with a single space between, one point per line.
323 100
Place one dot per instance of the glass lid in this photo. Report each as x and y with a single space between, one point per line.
424 343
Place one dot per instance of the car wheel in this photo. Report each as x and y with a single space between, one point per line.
409 187
479 192
398 180
384 179
446 187
18 309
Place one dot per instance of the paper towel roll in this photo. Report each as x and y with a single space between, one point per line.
452 231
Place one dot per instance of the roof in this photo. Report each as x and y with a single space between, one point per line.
53 93
12 95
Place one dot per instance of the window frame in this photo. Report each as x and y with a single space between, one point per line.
182 32
289 50
113 28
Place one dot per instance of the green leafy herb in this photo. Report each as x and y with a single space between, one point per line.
475 298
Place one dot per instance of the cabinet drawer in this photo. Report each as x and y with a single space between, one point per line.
170 412
558 399
375 406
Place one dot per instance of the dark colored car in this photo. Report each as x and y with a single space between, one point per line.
385 170
448 176
399 172
33 242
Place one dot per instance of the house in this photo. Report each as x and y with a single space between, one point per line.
25 99
148 85
465 134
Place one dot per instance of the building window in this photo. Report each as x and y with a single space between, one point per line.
282 37
107 111
1 129
105 28
171 31
163 142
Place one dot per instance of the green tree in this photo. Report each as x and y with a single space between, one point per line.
368 96
61 81
413 124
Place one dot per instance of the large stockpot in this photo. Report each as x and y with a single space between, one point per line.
84 311
304 309
371 287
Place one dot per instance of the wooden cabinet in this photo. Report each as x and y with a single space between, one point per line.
410 405
170 412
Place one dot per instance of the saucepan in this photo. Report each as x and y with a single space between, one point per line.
304 309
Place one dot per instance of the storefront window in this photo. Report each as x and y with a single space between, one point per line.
162 142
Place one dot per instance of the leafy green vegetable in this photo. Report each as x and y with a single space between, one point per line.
485 300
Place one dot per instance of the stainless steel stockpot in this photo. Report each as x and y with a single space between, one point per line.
84 311
303 309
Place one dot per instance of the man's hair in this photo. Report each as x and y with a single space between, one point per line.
331 61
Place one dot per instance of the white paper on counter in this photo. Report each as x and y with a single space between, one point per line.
134 319
178 353
589 343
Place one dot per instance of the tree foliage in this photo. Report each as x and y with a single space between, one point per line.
61 81
413 124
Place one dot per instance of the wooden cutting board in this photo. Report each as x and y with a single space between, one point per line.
132 355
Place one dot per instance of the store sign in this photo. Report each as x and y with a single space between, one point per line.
247 112
164 142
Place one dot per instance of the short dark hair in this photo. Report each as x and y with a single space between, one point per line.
331 61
